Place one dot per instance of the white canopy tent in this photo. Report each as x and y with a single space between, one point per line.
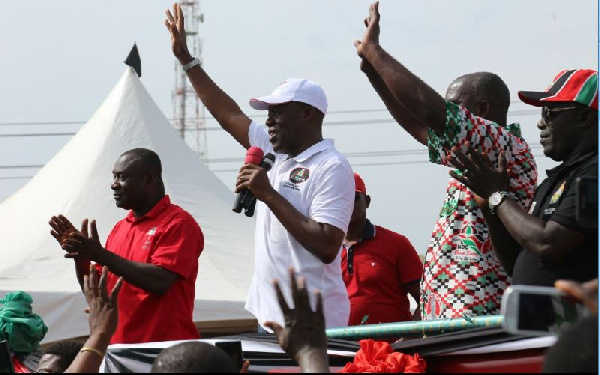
76 183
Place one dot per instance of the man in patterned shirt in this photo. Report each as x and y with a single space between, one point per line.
463 276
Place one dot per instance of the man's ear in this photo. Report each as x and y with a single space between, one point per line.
367 200
308 113
484 109
589 118
151 178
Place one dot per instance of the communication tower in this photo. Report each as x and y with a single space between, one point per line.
188 111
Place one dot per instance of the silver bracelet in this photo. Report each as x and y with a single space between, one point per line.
191 64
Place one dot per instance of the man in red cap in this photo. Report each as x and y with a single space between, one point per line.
380 268
550 241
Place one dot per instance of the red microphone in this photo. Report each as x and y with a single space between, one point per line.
254 155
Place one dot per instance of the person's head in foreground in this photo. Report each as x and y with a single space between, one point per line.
57 357
193 357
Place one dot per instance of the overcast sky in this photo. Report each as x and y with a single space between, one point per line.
60 59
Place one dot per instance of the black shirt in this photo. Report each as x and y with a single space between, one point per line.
555 199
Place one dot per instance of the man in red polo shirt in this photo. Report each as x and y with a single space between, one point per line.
155 248
380 268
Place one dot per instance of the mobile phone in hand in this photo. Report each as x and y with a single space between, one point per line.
539 311
234 350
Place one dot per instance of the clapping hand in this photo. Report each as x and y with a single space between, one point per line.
61 228
303 337
82 243
479 174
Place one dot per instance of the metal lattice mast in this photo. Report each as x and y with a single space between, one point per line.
188 111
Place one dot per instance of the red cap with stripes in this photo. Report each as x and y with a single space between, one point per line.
580 86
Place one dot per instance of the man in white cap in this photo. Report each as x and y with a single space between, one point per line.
305 200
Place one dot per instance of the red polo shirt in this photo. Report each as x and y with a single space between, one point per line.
168 237
377 270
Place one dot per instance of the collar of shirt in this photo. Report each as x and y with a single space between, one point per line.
153 213
324 145
582 159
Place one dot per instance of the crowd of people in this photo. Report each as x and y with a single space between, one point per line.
496 227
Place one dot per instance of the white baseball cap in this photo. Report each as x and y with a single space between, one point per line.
294 90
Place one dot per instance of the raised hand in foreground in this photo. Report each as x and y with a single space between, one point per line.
103 321
303 337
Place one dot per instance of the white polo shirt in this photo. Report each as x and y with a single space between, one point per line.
319 183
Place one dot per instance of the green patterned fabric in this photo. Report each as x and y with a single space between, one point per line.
462 274
19 325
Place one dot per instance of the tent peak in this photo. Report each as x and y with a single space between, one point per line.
134 60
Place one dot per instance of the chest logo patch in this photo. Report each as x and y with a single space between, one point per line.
299 175
557 194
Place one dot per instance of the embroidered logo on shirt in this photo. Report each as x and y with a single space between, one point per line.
434 307
558 193
299 175
148 241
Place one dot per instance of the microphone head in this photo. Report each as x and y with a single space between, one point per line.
268 161
254 155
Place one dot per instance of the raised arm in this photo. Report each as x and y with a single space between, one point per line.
426 105
402 115
219 104
103 319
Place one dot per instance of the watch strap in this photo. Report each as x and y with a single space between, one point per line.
191 64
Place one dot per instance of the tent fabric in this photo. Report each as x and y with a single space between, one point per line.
76 183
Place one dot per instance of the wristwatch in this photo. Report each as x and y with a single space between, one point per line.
191 64
496 199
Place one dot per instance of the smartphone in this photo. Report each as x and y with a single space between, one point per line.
6 366
586 212
538 310
234 350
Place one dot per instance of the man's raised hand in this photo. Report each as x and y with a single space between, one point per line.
371 35
175 25
303 337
